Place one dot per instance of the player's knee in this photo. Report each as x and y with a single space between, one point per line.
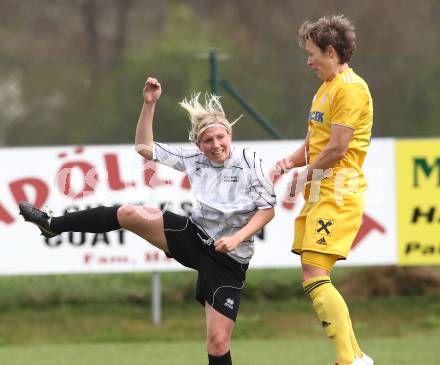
218 343
126 215
310 272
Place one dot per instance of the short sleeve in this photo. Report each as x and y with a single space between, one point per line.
348 105
261 187
171 156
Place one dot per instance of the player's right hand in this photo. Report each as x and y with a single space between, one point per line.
283 166
152 91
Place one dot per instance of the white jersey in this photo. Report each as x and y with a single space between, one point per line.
227 195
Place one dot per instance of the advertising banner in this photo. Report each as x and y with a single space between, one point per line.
418 205
67 179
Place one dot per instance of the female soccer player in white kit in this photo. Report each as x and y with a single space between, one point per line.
234 198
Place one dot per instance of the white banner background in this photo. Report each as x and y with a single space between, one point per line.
123 177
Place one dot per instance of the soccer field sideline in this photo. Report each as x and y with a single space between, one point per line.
388 350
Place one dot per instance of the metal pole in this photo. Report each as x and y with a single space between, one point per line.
214 70
266 124
155 298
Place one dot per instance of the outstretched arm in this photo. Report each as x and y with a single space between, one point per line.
295 159
258 221
144 130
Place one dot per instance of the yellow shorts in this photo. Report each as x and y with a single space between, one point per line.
325 227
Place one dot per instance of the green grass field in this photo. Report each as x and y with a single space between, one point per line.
105 319
407 350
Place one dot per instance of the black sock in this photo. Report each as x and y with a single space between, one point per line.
95 220
220 360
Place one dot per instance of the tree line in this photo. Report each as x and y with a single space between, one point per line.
72 71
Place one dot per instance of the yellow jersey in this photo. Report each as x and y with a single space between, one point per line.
346 101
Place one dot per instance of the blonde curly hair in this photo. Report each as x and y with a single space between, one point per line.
204 116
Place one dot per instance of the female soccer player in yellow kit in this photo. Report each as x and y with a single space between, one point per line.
339 130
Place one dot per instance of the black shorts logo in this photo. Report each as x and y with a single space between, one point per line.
324 227
229 303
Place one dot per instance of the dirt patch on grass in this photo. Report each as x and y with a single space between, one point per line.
392 281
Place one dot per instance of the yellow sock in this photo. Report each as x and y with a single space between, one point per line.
357 350
333 314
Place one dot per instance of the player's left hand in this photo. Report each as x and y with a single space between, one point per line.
226 244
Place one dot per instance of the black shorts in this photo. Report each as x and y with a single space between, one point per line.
220 278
